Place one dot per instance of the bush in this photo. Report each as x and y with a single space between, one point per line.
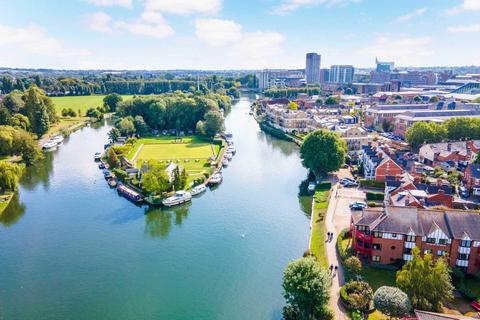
392 301
372 184
359 295
372 204
353 265
375 196
326 185
342 252
120 174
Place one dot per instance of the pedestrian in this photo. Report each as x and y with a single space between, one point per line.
331 268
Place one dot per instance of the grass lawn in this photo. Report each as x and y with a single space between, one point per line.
65 123
378 277
317 237
82 103
190 153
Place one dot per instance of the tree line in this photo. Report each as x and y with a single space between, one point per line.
453 129
291 92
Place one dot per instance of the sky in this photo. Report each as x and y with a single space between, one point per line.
236 34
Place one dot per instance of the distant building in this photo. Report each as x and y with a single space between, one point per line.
375 116
280 78
414 78
385 67
341 74
312 68
324 75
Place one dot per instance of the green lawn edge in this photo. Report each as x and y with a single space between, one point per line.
318 232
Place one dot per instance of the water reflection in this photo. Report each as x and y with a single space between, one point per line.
13 212
286 147
305 197
39 172
158 222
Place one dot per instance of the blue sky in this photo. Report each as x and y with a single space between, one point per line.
234 34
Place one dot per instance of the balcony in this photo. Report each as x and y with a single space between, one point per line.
462 263
363 237
465 250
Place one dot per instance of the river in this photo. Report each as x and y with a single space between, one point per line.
71 248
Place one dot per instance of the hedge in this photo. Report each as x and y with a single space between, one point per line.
372 184
375 196
120 174
277 133
326 185
343 253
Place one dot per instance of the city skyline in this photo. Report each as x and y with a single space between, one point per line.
222 34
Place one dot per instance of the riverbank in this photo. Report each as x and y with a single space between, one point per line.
5 201
317 224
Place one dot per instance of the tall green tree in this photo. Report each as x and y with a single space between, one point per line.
111 101
9 176
425 132
306 290
323 151
213 123
39 109
154 178
427 282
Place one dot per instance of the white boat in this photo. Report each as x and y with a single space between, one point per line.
216 178
97 156
230 142
231 149
57 139
198 189
49 145
228 156
178 198
225 163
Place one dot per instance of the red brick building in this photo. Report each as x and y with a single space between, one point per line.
388 235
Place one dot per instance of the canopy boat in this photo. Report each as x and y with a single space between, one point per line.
216 178
130 194
198 189
178 198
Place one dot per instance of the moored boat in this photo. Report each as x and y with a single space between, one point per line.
97 156
128 193
112 182
57 139
231 149
216 178
225 163
198 189
107 174
101 165
178 198
228 156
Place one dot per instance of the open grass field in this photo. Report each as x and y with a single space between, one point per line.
191 153
82 103
317 240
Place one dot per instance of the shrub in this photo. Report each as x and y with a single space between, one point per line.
342 252
373 204
375 196
392 301
353 265
372 184
326 185
120 174
360 295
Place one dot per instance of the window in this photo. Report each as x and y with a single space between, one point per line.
427 251
463 256
430 240
442 241
440 253
378 234
377 246
407 251
410 238
361 228
376 258
465 243
394 235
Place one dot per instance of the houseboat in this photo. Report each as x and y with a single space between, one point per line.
216 178
198 189
130 194
178 198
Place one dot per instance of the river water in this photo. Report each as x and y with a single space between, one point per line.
71 248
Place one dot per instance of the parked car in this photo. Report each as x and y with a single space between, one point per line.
345 181
351 184
357 205
463 192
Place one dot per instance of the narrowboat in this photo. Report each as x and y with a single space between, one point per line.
130 194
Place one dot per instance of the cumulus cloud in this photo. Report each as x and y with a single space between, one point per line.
99 21
411 15
287 6
151 24
184 7
218 32
464 28
36 41
467 5
258 48
401 49
108 3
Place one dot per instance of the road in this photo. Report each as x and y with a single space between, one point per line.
338 218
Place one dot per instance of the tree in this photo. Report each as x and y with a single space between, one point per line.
322 152
111 101
140 126
179 180
154 178
94 113
213 123
126 126
112 158
114 134
360 295
392 301
39 109
200 128
425 132
353 265
425 281
417 99
292 105
306 290
25 145
9 176
433 99
332 100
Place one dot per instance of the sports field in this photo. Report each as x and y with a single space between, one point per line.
82 103
191 153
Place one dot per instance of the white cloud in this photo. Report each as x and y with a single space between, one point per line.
403 50
467 5
184 7
464 28
411 15
151 24
287 6
34 40
99 21
108 3
217 32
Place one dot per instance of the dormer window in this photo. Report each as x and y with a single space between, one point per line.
430 240
466 243
442 241
410 238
